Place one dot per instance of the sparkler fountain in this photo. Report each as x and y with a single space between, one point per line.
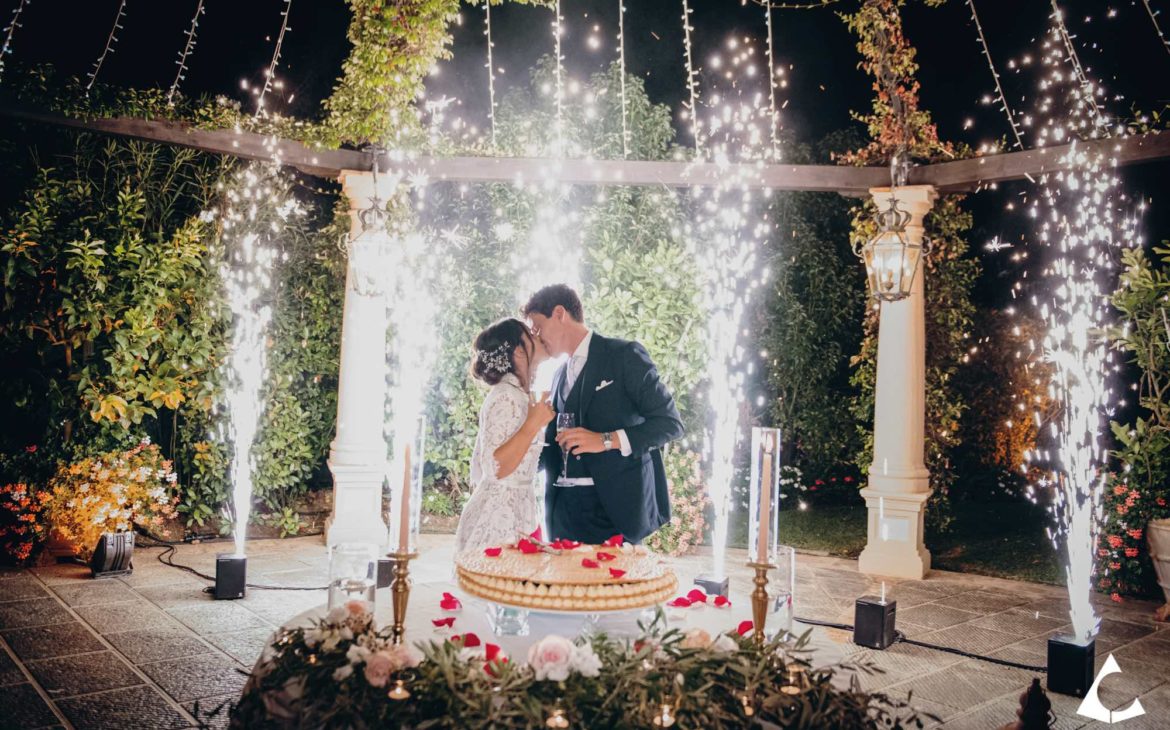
255 207
1080 222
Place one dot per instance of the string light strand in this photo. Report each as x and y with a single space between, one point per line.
694 107
185 54
109 48
560 91
1003 104
12 26
772 122
487 31
1074 59
1157 26
622 64
271 73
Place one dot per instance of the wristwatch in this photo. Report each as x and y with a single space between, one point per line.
607 440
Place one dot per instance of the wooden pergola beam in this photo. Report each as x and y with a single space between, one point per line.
960 176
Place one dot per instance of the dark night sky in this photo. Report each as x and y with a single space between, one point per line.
236 42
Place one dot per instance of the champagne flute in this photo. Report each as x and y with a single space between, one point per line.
565 421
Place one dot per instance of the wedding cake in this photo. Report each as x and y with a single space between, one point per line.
567 576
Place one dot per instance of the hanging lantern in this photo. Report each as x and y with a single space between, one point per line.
891 258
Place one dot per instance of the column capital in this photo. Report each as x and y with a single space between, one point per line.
917 200
358 186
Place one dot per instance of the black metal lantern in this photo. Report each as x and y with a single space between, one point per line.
891 256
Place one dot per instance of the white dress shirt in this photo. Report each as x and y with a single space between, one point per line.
573 371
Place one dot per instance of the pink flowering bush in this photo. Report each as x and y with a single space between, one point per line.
688 503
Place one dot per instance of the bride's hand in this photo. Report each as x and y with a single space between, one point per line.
540 411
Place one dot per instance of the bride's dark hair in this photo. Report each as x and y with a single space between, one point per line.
492 357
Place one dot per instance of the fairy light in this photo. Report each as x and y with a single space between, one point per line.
109 47
1157 26
185 54
487 31
999 95
622 66
691 78
8 31
1080 223
270 74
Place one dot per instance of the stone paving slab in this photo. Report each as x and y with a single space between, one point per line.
151 649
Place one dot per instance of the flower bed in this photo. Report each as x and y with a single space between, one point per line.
344 672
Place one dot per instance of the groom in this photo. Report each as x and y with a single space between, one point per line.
614 481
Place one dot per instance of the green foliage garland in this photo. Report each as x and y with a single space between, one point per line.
465 684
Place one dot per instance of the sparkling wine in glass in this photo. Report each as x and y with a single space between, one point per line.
565 421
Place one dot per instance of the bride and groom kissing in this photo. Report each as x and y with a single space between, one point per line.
597 435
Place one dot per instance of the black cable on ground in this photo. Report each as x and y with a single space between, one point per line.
899 637
166 557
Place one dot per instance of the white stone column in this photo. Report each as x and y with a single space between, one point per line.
899 483
357 456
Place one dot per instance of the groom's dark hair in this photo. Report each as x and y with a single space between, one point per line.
547 299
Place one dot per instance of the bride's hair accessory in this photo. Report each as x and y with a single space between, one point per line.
497 359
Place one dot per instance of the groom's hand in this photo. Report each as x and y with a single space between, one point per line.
579 441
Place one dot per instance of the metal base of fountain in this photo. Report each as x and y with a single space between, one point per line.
230 576
713 585
1070 665
873 622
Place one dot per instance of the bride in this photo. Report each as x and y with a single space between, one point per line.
511 435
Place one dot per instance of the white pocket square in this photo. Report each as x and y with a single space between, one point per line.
603 384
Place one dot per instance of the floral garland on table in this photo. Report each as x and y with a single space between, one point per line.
344 672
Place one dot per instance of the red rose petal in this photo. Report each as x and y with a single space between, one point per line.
615 573
680 602
468 640
492 668
493 552
526 547
745 627
722 602
615 541
606 556
587 563
491 651
450 603
536 535
697 596
448 622
564 544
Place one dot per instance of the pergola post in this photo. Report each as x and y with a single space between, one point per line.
899 483
357 456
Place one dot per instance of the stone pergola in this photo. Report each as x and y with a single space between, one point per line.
899 483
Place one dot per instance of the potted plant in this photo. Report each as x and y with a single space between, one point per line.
1137 500
96 502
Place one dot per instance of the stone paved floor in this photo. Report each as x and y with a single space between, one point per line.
151 650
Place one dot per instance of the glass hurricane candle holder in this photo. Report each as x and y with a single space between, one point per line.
781 592
353 569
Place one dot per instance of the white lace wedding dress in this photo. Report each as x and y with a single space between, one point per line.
500 507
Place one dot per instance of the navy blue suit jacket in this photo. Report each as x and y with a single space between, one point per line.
632 489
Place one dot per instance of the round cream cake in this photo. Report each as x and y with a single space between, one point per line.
560 582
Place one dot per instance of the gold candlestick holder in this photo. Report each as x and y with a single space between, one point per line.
400 592
760 599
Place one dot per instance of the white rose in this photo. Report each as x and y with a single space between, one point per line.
585 661
696 639
724 643
357 654
551 658
343 673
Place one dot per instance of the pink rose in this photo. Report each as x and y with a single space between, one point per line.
696 639
551 658
379 666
